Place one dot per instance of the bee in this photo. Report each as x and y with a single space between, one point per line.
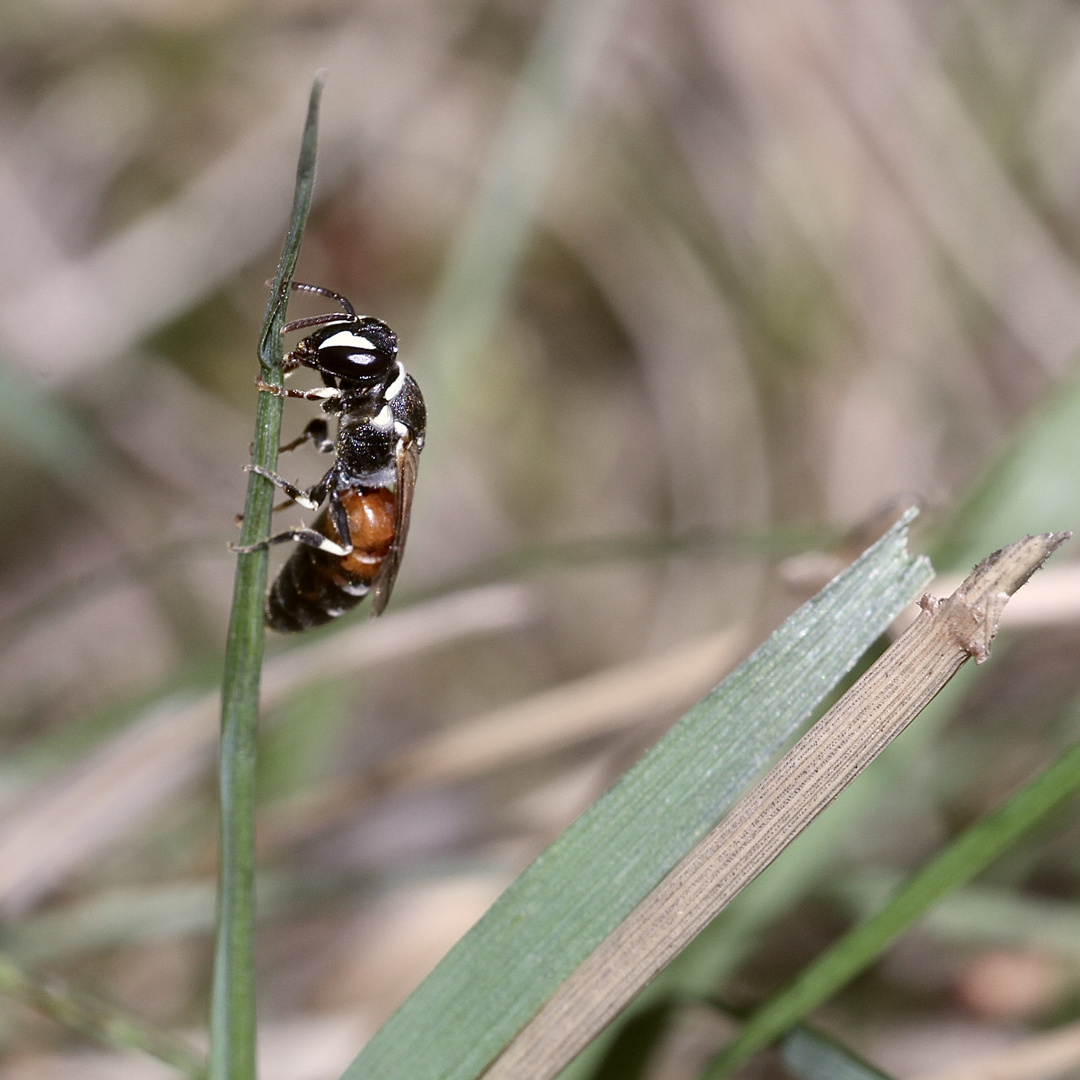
354 546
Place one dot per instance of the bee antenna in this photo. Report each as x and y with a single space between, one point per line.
301 286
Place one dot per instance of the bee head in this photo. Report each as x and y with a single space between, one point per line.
361 350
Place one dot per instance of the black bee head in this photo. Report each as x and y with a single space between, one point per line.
361 350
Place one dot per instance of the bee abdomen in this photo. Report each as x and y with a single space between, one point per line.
315 586
308 592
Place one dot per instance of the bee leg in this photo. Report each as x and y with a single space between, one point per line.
340 518
318 432
239 518
306 499
320 436
321 393
301 535
301 355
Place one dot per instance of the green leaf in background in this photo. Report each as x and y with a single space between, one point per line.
487 251
980 915
108 1024
1033 487
628 1056
810 1056
601 867
958 863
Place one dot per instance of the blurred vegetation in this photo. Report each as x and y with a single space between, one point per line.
761 272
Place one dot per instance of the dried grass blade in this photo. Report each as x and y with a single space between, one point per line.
861 724
593 876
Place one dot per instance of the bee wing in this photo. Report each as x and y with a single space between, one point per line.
407 461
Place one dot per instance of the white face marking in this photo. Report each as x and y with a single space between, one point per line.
349 340
383 419
394 388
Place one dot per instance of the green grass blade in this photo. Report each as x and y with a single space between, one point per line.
489 245
980 915
1033 487
627 1058
734 934
1032 482
232 1011
105 1023
41 427
585 884
810 1056
958 863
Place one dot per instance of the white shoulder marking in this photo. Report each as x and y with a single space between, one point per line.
349 340
383 419
401 429
394 388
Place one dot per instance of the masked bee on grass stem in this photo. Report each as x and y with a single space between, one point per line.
354 546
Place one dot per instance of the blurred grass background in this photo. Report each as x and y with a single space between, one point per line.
692 289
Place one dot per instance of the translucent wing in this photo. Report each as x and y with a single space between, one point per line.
407 461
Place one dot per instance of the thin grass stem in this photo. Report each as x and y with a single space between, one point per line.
232 1011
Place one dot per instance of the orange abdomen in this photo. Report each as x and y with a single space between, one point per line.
371 528
315 586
